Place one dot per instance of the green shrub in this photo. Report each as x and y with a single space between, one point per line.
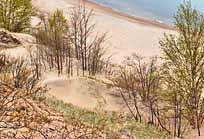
15 15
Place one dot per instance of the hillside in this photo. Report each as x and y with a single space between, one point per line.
58 113
79 70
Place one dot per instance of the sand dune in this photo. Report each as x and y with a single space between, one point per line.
125 34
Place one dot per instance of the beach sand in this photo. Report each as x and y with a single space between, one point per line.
126 34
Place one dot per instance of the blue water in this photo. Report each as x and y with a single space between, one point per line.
156 10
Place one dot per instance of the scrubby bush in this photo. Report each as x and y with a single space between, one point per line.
24 113
15 15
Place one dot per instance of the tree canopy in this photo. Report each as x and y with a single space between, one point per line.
184 60
15 15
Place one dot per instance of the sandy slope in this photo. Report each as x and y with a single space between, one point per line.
83 92
124 37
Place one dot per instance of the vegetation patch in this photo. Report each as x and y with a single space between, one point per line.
15 15
112 122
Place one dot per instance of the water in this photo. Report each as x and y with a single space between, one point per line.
156 10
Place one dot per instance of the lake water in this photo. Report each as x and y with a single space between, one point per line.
156 10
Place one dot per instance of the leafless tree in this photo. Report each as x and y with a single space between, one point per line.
140 84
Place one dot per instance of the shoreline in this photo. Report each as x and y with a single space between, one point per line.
125 16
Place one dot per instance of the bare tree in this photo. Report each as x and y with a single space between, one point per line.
139 83
126 84
89 48
82 28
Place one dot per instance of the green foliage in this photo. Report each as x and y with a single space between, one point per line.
15 15
114 124
57 22
53 31
184 60
55 37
